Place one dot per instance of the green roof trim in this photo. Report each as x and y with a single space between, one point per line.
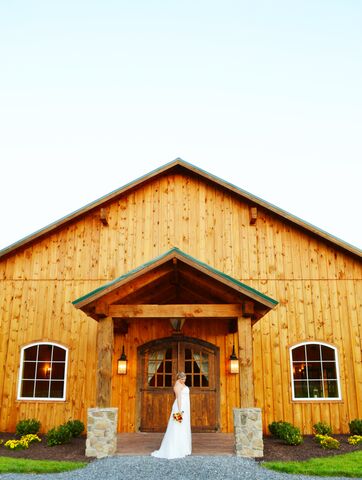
264 298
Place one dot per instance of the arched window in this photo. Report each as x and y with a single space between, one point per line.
315 372
43 372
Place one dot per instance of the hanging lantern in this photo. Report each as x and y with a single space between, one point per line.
233 362
122 363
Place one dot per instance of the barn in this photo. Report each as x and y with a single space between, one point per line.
181 270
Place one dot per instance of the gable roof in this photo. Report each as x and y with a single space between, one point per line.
178 260
181 165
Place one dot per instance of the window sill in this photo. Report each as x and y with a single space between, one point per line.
35 400
318 400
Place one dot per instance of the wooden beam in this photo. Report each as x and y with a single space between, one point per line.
245 355
253 212
103 216
105 342
175 311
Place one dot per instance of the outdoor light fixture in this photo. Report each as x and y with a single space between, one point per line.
233 362
122 363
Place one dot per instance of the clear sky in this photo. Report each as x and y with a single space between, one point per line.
264 94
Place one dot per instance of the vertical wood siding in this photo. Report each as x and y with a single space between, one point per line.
318 288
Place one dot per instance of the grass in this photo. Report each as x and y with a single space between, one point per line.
22 465
346 465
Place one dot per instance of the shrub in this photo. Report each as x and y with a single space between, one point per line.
287 432
24 427
30 438
76 427
16 444
325 441
355 440
355 426
322 428
292 436
277 428
59 435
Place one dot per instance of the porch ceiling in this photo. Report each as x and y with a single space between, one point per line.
174 278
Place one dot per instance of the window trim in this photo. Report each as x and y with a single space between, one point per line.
21 368
318 399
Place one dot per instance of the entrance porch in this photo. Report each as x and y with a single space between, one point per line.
142 443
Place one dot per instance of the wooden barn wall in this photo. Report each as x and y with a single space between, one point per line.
318 288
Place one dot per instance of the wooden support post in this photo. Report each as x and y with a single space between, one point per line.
104 365
245 339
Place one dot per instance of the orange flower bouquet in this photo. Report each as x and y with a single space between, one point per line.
178 416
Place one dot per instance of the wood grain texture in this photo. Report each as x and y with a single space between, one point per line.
318 286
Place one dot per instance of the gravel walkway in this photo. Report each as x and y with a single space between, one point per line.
149 468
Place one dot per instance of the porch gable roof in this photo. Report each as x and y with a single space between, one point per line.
232 285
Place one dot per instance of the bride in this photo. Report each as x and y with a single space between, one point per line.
176 442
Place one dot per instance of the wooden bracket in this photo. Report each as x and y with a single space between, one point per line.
103 216
248 309
253 211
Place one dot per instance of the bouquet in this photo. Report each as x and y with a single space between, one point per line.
178 416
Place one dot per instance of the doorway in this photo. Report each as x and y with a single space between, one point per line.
158 363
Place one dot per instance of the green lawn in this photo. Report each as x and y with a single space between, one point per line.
22 465
347 465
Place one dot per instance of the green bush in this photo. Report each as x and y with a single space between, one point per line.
59 435
28 426
329 442
76 427
355 426
322 428
287 432
355 440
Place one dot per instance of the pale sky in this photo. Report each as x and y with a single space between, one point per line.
266 95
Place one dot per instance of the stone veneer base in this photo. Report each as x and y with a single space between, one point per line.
248 432
101 432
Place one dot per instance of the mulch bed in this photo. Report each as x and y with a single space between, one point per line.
274 449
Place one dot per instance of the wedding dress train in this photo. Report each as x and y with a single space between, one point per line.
176 442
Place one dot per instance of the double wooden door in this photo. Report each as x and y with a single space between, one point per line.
159 363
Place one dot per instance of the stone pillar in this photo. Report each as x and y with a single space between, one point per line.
248 432
101 432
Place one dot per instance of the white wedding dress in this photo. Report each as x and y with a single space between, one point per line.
176 442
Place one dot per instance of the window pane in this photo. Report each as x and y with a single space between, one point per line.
205 381
168 381
329 370
45 353
58 354
57 371
29 370
327 353
299 354
299 371
315 390
332 388
168 367
30 353
301 389
196 381
188 367
27 389
188 354
56 389
314 371
313 352
42 389
159 380
43 371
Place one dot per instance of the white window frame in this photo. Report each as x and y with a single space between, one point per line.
318 399
43 399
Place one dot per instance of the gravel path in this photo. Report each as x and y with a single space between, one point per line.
149 468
